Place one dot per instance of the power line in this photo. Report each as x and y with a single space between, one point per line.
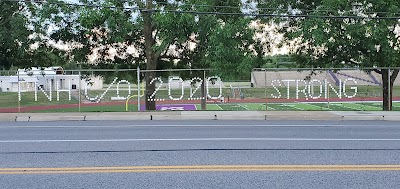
74 4
275 9
191 5
257 15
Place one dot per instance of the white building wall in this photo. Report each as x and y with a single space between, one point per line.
96 83
5 85
50 78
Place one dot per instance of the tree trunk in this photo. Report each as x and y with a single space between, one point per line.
392 79
387 89
150 88
151 60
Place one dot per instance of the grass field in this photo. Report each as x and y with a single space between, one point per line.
10 101
335 106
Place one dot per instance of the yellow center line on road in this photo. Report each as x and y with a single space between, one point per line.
197 168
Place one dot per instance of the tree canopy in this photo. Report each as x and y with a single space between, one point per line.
345 33
159 32
20 45
173 29
13 34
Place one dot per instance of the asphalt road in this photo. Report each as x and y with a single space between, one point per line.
200 154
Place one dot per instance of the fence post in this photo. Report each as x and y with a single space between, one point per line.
203 92
265 89
327 89
19 92
138 88
79 88
389 92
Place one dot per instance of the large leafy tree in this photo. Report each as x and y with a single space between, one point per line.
186 32
13 34
20 45
346 33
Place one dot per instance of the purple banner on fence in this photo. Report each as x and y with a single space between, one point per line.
173 107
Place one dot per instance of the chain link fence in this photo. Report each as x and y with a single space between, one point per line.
58 90
325 89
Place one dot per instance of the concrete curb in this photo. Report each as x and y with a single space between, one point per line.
202 115
365 115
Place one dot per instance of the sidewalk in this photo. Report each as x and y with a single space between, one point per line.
204 115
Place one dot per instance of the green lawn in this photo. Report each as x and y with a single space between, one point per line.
117 108
337 106
10 100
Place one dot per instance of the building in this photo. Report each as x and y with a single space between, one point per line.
51 78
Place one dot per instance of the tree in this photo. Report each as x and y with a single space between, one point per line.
20 46
345 33
162 32
13 34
